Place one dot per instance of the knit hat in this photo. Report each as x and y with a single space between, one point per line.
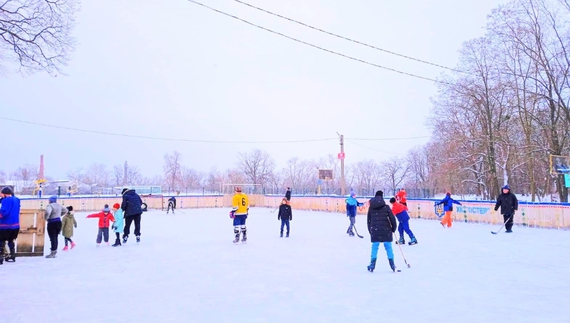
448 193
7 190
106 208
124 190
352 194
507 187
379 193
392 200
69 208
116 206
53 199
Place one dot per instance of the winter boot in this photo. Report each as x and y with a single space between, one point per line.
125 238
392 265
287 236
73 245
65 248
509 231
413 241
401 241
52 254
1 260
281 234
10 258
372 265
138 239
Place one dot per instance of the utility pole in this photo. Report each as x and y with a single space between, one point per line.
341 157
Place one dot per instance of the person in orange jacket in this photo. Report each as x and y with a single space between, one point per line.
105 216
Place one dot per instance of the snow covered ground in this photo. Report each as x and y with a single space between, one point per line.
187 269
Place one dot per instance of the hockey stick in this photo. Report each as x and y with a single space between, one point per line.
502 225
274 210
402 251
358 235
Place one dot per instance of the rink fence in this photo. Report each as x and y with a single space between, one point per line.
543 215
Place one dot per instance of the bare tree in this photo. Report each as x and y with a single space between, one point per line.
2 176
191 179
97 174
256 165
394 171
26 174
37 33
172 170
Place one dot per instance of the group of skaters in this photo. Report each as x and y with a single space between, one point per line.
61 220
382 220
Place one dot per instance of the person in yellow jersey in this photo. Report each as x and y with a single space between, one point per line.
240 204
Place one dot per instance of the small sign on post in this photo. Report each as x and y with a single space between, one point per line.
340 156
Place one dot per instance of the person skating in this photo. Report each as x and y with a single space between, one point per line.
9 223
105 217
285 215
132 210
68 223
288 194
171 204
448 208
401 213
240 208
351 205
381 226
119 224
508 203
52 215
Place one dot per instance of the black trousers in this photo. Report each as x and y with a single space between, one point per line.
128 220
53 229
509 223
103 233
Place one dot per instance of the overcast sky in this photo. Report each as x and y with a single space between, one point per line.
177 70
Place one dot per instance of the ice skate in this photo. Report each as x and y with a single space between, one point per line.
392 265
73 245
413 241
372 265
401 241
138 239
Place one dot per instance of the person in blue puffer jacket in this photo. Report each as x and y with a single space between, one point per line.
132 211
351 205
9 223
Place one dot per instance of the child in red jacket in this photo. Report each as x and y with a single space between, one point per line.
104 217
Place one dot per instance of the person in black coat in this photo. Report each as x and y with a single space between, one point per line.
132 210
285 215
381 226
288 194
171 204
509 204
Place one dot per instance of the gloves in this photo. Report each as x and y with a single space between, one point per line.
232 214
114 227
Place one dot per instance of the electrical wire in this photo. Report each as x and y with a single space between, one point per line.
387 139
198 140
348 39
378 150
319 47
163 138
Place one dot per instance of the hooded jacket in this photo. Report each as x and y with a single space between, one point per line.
381 221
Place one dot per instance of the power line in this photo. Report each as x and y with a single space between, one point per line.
378 150
348 39
318 47
387 139
194 140
163 138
